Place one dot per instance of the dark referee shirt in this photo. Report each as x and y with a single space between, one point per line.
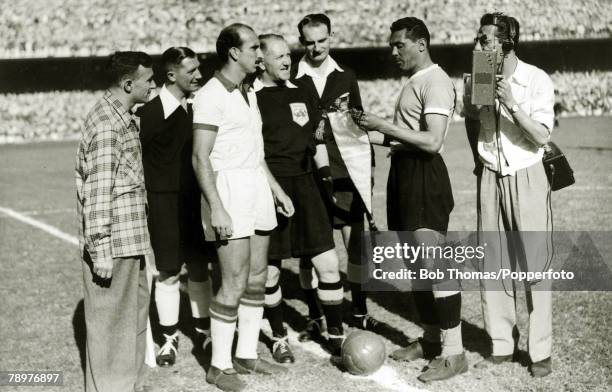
166 135
289 121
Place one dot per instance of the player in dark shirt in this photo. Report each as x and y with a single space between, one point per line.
289 123
174 200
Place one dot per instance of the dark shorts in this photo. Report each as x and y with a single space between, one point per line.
419 193
308 232
348 208
176 230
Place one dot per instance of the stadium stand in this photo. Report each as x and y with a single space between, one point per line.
61 28
59 115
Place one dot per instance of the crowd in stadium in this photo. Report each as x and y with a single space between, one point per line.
59 115
72 27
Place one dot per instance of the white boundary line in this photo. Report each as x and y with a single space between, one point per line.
54 231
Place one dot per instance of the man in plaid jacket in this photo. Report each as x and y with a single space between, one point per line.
113 236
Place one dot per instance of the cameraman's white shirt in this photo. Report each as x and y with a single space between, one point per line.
533 91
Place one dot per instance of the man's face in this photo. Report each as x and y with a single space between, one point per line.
404 50
186 75
142 84
249 54
277 60
486 39
317 41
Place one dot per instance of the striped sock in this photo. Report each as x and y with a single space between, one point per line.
331 296
273 310
250 314
222 326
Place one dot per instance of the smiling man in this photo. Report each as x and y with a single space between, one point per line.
419 195
240 193
290 120
173 194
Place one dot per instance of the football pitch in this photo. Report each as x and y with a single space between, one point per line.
42 326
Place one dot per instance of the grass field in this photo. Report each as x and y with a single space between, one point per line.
42 313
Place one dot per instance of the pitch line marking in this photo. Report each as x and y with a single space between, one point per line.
54 231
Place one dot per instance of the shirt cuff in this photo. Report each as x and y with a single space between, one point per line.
433 110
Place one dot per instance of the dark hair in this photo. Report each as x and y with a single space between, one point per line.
230 38
175 55
315 20
508 28
124 64
264 38
415 28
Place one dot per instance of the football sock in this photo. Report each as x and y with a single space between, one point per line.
274 309
222 326
309 283
426 308
200 295
331 296
359 299
167 301
250 314
449 313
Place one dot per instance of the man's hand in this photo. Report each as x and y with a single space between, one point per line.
284 205
368 121
103 268
504 93
221 222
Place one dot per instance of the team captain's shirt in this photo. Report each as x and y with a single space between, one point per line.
428 91
289 122
239 144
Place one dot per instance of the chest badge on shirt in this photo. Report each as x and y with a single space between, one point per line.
299 113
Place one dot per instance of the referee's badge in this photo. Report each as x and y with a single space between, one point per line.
299 113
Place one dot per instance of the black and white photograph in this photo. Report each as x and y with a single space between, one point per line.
306 196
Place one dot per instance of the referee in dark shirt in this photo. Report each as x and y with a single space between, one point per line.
174 201
290 120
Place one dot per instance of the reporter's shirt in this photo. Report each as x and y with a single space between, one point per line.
533 91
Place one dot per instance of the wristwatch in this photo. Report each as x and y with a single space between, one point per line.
515 108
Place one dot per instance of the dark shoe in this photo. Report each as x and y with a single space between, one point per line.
281 352
225 380
541 368
259 366
443 368
367 323
314 330
201 341
418 349
493 360
166 356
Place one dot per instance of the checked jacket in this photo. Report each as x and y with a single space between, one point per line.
111 195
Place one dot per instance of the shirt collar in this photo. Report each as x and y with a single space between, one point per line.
124 113
424 71
521 74
168 101
304 68
258 84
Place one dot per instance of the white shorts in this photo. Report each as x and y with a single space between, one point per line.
247 198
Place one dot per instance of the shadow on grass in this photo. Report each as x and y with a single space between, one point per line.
80 332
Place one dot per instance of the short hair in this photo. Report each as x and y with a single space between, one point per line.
265 38
508 28
230 38
173 56
415 28
125 64
314 20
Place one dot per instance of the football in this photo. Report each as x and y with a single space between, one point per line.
363 353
